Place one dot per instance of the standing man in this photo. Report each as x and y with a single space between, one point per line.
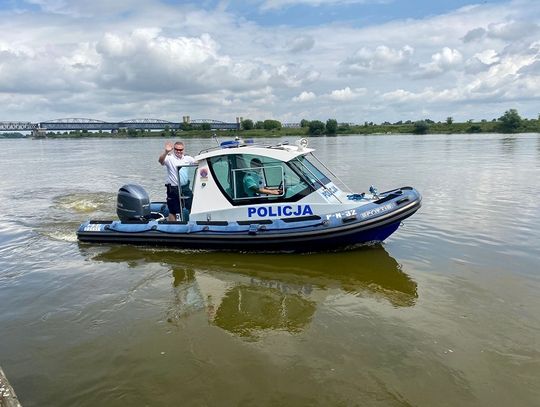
172 158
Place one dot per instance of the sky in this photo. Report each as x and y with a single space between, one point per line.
288 60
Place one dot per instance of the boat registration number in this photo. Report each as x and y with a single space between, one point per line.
361 215
94 227
344 214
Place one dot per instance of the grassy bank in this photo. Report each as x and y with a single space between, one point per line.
422 127
527 126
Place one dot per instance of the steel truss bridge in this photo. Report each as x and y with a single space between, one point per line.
96 125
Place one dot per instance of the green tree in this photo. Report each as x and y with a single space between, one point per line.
304 123
271 124
247 124
331 126
420 127
475 128
184 126
510 121
206 126
259 125
344 127
449 120
316 127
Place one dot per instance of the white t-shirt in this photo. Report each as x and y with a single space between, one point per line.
172 162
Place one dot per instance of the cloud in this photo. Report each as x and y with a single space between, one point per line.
292 75
474 35
304 97
502 79
513 30
488 56
531 69
279 4
78 59
146 60
380 59
481 61
441 62
503 30
300 44
83 8
346 94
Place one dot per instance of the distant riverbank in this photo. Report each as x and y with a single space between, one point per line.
422 127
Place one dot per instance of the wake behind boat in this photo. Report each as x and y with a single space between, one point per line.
243 196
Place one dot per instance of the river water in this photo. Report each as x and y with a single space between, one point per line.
445 313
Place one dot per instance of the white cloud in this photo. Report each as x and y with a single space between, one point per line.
441 62
501 80
428 95
304 97
149 61
302 43
346 94
488 56
511 31
380 59
293 75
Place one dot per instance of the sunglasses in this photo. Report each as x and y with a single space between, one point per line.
178 149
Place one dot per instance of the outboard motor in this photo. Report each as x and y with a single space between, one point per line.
132 203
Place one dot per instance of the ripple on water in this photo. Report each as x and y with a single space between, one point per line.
68 211
85 202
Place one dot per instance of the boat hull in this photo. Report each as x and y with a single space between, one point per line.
316 234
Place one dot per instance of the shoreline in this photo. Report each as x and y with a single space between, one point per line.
247 134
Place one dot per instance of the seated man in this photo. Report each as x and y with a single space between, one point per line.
253 182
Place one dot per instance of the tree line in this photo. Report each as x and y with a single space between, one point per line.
509 122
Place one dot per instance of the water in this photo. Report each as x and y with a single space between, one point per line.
444 313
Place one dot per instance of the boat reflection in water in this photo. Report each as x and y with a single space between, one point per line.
248 294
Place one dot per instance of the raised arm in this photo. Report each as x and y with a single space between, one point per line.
168 149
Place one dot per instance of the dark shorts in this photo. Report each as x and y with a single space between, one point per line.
173 200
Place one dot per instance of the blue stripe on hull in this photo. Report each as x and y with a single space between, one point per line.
372 235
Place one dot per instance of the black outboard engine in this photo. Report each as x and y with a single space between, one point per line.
132 203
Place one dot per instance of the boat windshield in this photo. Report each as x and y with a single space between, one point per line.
240 177
309 172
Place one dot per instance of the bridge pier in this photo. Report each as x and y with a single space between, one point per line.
39 132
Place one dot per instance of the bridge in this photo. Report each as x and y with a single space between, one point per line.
97 125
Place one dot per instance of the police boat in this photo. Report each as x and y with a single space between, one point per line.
247 197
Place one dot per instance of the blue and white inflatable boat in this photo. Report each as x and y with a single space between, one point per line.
307 211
